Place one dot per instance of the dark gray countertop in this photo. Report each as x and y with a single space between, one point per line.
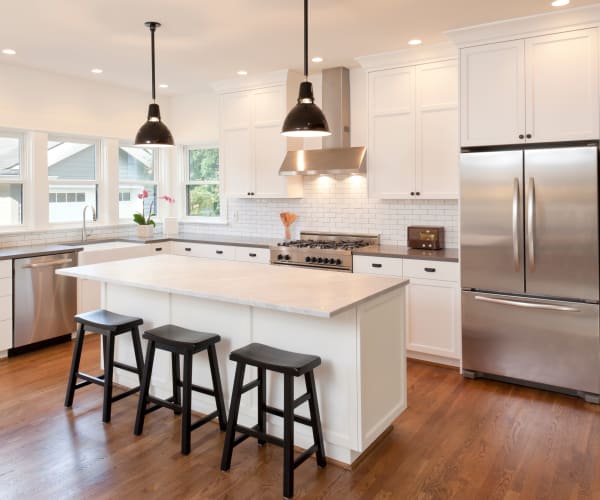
35 251
243 241
445 255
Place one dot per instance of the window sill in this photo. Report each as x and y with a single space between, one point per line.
204 220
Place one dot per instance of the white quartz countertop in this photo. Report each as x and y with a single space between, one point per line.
297 290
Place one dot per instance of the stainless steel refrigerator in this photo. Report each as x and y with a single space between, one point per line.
529 266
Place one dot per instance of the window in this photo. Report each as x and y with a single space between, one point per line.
71 178
136 173
203 189
11 183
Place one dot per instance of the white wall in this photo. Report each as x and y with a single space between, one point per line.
37 100
194 118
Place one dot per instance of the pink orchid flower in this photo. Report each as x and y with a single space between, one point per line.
143 194
168 199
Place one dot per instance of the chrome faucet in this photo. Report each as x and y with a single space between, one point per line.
84 233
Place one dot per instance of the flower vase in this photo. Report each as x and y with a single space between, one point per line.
144 231
288 233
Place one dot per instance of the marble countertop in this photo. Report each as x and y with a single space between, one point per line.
297 290
446 254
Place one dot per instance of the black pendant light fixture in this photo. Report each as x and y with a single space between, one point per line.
305 119
154 133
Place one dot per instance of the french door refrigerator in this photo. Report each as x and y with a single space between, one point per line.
529 267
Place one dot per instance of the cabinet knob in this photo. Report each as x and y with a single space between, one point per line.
158 249
188 249
430 269
528 136
418 193
521 136
252 254
219 252
412 193
377 265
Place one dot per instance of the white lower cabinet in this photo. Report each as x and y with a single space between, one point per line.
252 254
225 252
5 305
433 304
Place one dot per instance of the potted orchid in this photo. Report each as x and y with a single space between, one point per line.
145 227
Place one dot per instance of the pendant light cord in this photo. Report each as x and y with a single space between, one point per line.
152 30
306 39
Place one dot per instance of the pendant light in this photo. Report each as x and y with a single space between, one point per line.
305 119
154 133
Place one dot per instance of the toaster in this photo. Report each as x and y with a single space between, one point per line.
425 237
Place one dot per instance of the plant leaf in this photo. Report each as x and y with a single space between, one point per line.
139 219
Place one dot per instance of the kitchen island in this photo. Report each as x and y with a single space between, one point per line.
355 323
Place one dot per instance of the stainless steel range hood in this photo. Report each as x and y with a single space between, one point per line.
336 157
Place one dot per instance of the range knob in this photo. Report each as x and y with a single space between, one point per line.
313 259
320 260
328 261
280 257
338 262
286 257
307 259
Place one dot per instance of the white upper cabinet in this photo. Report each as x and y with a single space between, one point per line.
561 76
252 147
541 89
413 132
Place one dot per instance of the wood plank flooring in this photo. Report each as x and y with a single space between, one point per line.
462 439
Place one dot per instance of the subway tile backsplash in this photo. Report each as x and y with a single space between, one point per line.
330 203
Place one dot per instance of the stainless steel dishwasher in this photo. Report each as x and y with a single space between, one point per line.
44 303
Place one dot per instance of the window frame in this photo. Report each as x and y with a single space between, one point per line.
23 179
97 182
156 182
185 169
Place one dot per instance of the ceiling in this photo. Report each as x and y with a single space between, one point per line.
202 41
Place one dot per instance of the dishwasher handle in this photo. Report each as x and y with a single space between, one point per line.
51 263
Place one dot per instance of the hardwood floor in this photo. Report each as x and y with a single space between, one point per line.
463 439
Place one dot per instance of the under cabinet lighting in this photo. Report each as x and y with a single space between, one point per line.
9 52
560 3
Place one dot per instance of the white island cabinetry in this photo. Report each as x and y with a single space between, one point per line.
355 323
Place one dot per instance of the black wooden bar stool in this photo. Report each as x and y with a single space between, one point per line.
109 325
292 365
181 341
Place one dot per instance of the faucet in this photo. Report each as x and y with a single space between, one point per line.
84 233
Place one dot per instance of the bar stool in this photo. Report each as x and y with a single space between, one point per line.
181 341
109 325
292 365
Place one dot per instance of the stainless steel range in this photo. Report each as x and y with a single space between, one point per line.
321 250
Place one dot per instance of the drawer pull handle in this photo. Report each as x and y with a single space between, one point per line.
188 249
158 249
252 254
430 269
377 265
219 252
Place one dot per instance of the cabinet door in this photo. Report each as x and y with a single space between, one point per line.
391 156
437 130
434 318
492 84
236 151
562 86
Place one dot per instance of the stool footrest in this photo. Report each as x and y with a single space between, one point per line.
297 418
250 385
90 379
302 399
255 433
161 403
203 420
203 390
125 394
305 455
123 366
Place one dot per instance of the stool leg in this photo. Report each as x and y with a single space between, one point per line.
137 350
217 388
186 413
262 401
288 436
108 376
74 366
144 389
315 417
234 409
176 377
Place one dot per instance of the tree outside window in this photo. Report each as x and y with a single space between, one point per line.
203 187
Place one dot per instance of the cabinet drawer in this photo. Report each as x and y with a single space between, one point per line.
159 248
387 266
251 254
217 252
431 270
5 335
5 268
5 307
186 249
5 287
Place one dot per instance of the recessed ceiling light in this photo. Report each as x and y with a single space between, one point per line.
242 72
163 86
97 71
560 3
9 52
415 41
317 59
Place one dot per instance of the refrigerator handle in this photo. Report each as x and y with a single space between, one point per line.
529 305
531 223
515 223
